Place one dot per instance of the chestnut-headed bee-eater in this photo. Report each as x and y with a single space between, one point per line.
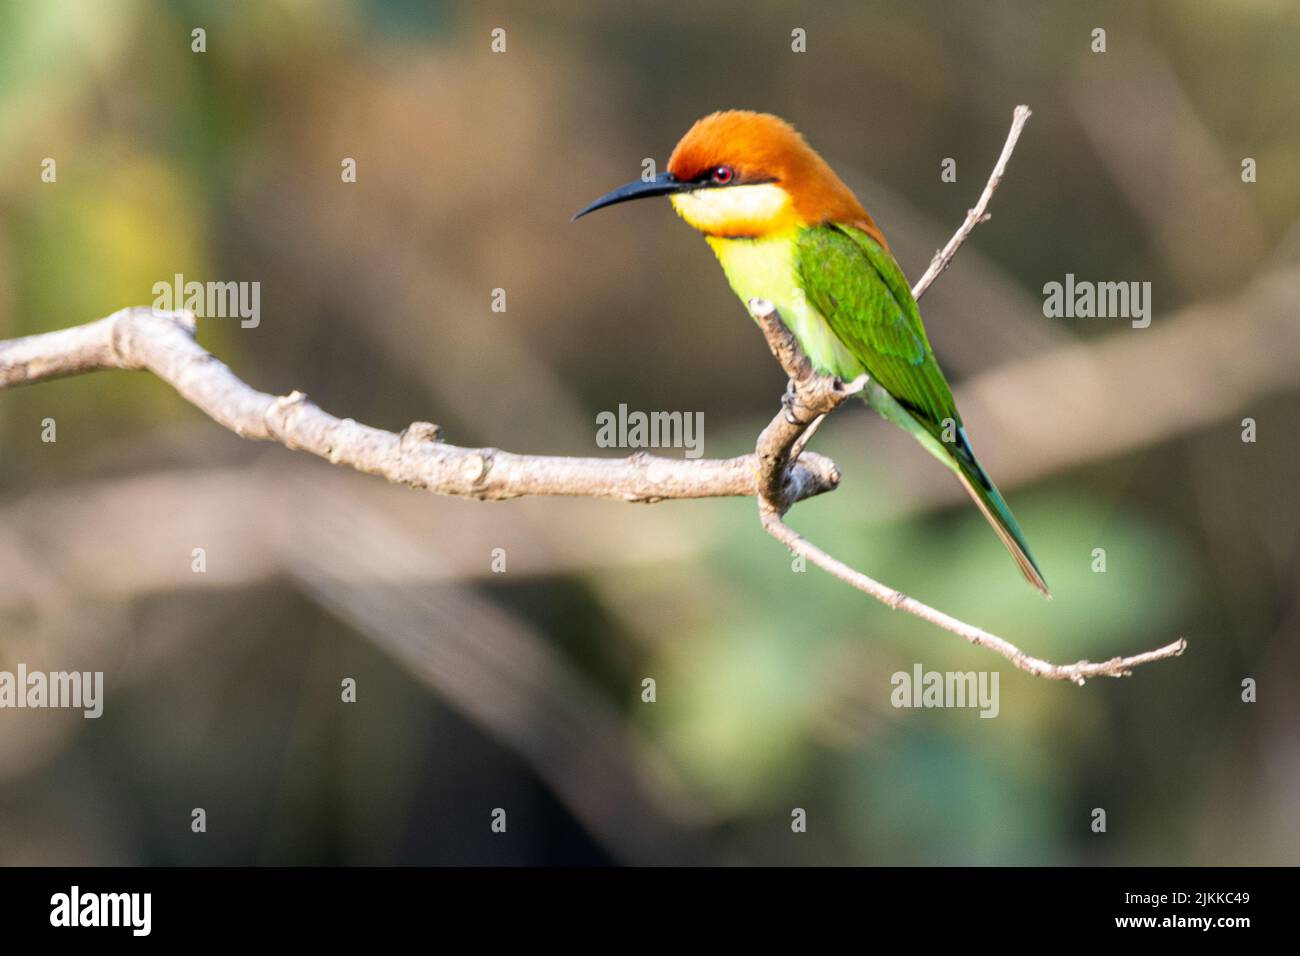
787 229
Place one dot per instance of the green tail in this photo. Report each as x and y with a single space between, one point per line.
960 458
994 507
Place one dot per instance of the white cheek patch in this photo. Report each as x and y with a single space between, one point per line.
734 209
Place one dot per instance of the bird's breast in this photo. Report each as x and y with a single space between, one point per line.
765 268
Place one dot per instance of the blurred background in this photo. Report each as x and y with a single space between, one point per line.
522 690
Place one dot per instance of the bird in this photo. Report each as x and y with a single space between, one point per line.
786 228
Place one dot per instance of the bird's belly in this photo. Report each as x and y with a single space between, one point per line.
764 268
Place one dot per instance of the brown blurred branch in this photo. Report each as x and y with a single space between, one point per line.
779 473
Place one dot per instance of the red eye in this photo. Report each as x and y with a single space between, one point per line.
723 175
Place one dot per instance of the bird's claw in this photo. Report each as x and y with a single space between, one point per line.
789 401
853 387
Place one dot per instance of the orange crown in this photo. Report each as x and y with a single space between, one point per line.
760 146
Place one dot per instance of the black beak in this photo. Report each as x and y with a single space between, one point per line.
662 185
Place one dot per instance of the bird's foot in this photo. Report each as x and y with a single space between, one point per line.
853 387
789 402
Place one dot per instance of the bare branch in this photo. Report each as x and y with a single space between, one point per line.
164 344
1077 672
977 215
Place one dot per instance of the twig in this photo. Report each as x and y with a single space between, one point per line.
1077 672
977 215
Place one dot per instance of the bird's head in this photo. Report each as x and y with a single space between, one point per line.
738 174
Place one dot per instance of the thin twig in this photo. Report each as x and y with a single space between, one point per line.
1077 672
977 215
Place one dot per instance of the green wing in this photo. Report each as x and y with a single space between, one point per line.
863 295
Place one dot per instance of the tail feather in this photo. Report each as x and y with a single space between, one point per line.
995 510
961 460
